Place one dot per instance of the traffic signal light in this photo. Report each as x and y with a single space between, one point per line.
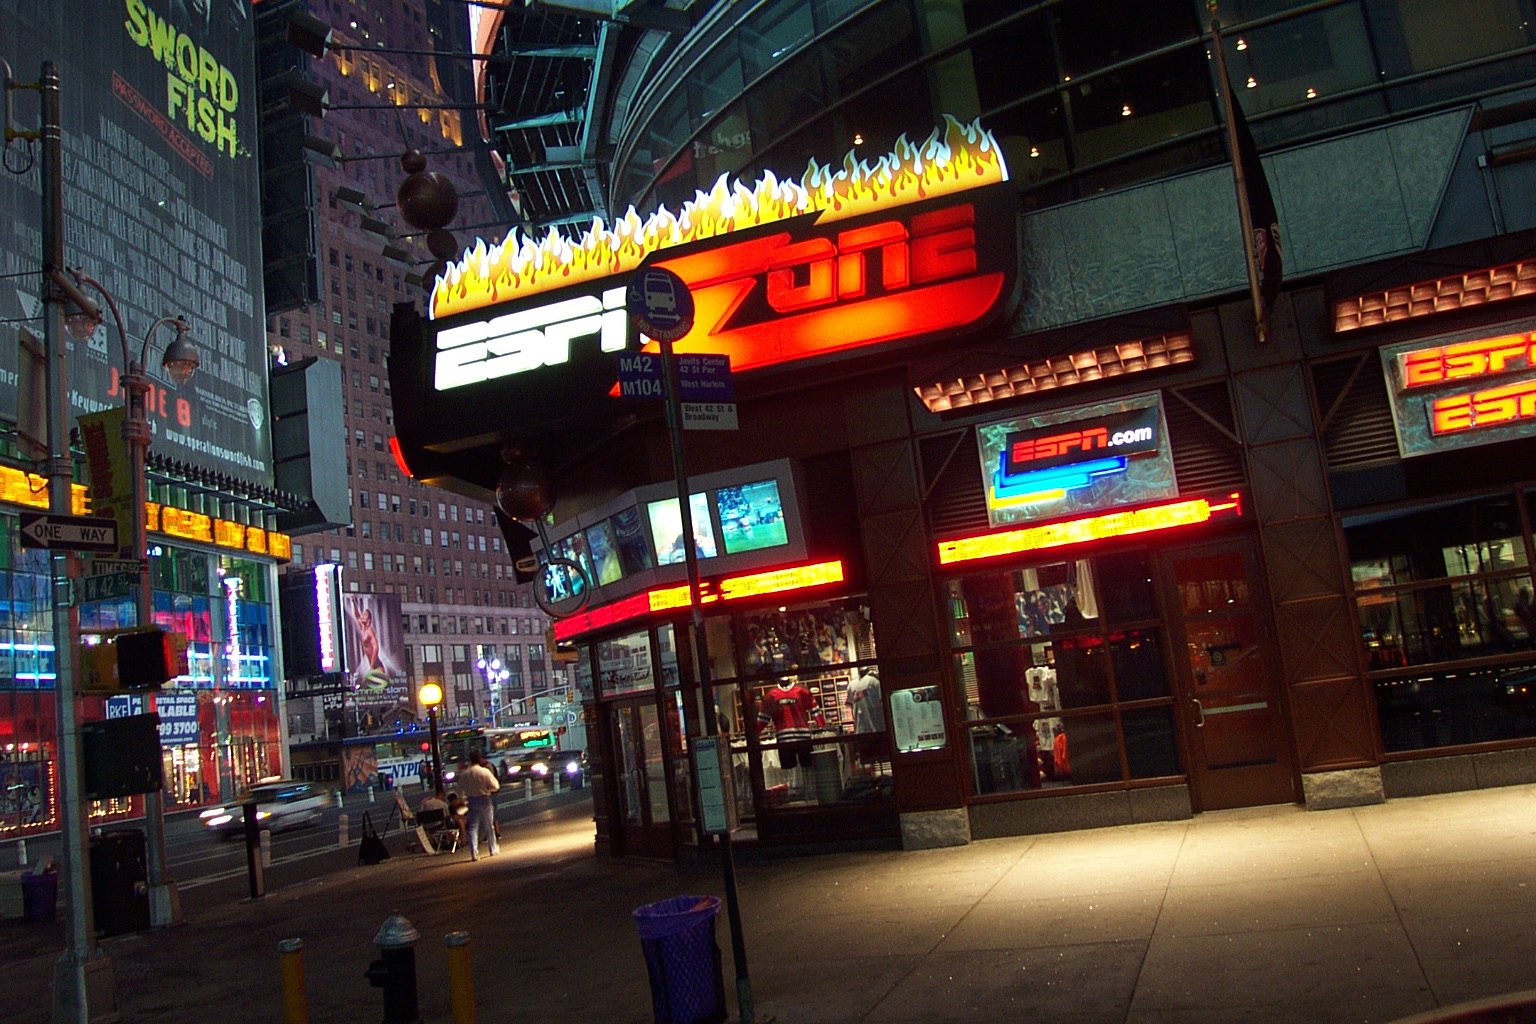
146 659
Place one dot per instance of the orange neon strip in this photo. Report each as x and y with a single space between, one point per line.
733 588
1124 523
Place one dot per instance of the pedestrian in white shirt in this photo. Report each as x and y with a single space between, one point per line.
478 783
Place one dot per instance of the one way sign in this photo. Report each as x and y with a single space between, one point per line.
68 533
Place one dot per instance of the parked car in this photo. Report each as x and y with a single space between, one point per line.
280 804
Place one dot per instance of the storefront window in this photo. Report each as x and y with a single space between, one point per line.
814 702
1047 658
1436 588
1442 584
624 665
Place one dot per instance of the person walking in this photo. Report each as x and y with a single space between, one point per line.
478 783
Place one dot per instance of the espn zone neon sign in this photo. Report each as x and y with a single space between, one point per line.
1487 360
777 294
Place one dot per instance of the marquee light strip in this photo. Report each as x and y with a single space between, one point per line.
1060 371
21 488
1083 530
732 588
1441 295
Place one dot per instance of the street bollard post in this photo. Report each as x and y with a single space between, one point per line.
527 789
266 847
395 970
253 861
461 986
21 853
341 831
291 957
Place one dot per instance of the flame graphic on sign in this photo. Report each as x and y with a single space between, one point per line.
953 158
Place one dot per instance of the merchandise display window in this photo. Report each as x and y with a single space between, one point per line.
1060 675
797 691
1447 619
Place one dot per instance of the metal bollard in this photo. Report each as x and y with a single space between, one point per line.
295 1007
370 794
21 853
341 826
266 847
461 987
527 789
395 970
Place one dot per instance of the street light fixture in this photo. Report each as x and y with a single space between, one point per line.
495 674
431 695
179 361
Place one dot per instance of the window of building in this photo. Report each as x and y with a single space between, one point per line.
1059 675
1444 598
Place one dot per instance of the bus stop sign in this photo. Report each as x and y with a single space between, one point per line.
659 303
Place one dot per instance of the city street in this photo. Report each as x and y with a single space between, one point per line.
1277 914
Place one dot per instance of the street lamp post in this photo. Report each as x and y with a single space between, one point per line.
495 674
431 695
180 361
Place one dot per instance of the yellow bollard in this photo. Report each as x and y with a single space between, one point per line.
295 1008
461 987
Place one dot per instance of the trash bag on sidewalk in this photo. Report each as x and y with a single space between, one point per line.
372 849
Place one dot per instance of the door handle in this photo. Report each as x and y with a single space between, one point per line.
1201 709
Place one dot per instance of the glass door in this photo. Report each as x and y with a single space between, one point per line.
1239 738
644 817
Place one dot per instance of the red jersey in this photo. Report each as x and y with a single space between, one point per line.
788 709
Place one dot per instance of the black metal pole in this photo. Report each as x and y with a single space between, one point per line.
700 707
437 756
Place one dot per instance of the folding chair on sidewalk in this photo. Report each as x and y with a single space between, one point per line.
436 832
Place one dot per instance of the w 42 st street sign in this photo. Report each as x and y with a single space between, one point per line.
68 533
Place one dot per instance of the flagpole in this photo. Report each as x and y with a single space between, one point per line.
1244 210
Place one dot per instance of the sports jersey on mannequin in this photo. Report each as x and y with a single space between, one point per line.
788 708
865 702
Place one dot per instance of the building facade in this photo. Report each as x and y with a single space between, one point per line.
1111 556
430 571
156 218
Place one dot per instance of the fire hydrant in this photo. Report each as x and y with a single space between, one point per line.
395 970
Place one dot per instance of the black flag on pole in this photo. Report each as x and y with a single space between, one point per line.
1263 222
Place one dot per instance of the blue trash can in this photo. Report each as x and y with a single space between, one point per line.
683 959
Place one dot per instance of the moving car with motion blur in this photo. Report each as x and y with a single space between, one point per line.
280 804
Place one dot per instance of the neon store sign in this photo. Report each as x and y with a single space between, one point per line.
909 244
1462 393
673 598
1067 533
1045 463
1077 460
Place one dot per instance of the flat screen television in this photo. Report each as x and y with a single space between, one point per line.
751 516
667 529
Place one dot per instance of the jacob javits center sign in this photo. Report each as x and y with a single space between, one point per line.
832 270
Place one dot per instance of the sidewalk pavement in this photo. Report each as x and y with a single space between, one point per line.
1276 914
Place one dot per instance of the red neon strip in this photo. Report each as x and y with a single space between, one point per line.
399 454
733 588
1120 523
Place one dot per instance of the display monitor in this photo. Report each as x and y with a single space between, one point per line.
604 551
751 516
667 529
629 536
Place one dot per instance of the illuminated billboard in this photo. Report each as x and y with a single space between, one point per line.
1076 460
159 114
1461 391
897 250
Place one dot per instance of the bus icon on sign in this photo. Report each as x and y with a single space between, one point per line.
659 296
660 304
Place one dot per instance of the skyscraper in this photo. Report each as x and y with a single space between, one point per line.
435 560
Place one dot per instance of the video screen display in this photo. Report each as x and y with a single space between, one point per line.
629 536
667 529
574 548
751 516
605 553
